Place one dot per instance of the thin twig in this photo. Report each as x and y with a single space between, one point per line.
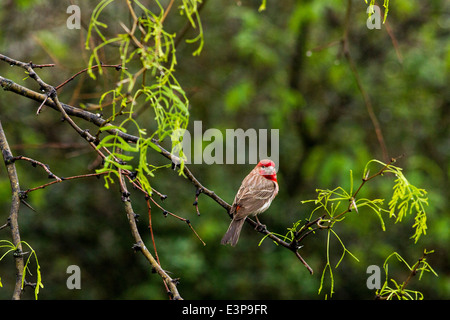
166 12
35 163
65 179
116 66
149 209
197 194
171 283
367 102
165 212
38 111
414 270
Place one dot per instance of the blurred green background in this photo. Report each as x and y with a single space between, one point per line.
271 69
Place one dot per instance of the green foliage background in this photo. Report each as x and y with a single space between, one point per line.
269 69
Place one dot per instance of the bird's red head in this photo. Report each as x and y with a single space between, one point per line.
266 168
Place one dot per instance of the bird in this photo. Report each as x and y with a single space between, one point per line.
255 195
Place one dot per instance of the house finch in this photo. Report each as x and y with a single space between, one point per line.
255 195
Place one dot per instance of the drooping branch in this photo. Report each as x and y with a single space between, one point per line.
345 42
170 283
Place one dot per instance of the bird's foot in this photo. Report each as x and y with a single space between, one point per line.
260 227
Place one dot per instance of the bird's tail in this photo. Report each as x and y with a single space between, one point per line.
233 232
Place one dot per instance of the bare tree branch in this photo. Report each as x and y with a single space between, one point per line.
14 212
139 245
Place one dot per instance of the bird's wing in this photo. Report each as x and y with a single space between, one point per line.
251 198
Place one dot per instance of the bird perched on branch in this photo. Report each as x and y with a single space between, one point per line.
255 195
